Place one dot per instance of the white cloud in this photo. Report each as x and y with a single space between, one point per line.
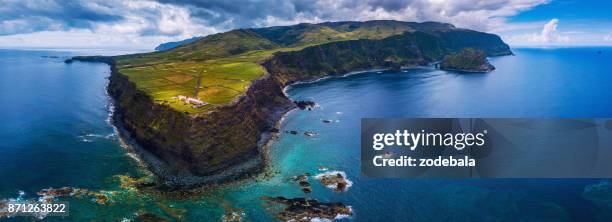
474 14
549 35
144 24
81 38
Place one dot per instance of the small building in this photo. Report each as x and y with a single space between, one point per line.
188 100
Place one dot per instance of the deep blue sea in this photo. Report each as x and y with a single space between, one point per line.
55 133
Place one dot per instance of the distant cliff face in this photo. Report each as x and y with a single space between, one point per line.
211 143
408 49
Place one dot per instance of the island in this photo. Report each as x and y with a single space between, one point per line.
204 112
467 60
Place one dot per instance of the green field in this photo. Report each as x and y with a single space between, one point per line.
225 64
222 79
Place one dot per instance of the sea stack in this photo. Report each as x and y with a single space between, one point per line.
467 60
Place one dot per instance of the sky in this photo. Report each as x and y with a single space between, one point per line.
143 24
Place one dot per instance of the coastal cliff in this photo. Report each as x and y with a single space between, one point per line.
405 50
226 141
193 148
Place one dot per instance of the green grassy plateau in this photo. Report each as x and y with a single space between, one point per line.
218 68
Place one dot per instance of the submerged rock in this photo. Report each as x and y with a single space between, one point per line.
150 217
599 194
232 214
307 189
47 195
327 121
302 180
59 192
3 210
303 209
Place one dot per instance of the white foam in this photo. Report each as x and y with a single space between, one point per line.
333 173
344 216
234 216
134 156
84 139
338 217
89 137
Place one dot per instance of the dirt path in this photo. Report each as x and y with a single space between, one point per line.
197 89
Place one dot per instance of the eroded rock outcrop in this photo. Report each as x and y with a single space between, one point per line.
467 60
335 180
303 209
302 104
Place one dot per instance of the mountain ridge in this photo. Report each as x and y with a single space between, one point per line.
338 27
170 45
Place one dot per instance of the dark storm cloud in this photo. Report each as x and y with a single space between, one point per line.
29 16
165 17
389 5
249 13
241 13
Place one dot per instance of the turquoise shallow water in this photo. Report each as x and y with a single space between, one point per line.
55 133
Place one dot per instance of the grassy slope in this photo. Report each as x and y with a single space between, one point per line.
228 62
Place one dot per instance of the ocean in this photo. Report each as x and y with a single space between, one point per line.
56 133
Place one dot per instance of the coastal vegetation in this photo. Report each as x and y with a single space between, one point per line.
222 66
467 60
205 110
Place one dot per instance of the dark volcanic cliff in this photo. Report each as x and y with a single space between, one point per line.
194 147
227 142
408 49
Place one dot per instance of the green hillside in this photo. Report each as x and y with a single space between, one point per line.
218 68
